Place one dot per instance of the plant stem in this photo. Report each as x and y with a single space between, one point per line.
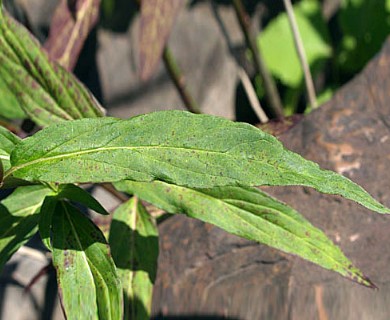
272 94
179 81
252 97
301 53
246 82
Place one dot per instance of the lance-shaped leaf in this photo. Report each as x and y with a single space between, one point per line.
79 195
198 151
157 19
134 247
87 279
46 92
7 143
45 219
65 192
9 104
19 218
69 29
250 213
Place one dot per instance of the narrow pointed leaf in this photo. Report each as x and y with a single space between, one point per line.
250 213
19 219
45 220
65 192
79 195
87 278
46 92
157 19
134 247
8 141
9 104
198 151
69 29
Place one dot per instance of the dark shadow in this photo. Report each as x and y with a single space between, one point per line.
7 280
118 17
51 296
243 110
86 68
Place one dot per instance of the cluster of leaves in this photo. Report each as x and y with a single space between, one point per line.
202 166
337 48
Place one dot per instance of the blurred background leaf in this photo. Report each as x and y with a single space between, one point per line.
277 44
157 19
9 105
69 29
365 26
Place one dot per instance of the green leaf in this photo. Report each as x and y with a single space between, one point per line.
46 92
277 44
134 247
9 104
65 192
68 192
199 151
250 213
365 26
79 195
19 218
87 279
8 141
45 220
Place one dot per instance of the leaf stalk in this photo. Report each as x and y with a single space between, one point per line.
179 81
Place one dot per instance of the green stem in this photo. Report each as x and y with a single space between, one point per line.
179 81
272 94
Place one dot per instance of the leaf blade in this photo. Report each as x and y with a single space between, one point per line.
199 151
19 218
8 141
90 288
250 213
79 195
132 233
10 108
45 91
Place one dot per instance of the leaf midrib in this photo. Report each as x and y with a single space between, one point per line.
104 149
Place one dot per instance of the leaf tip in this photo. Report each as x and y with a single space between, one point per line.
360 278
369 284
